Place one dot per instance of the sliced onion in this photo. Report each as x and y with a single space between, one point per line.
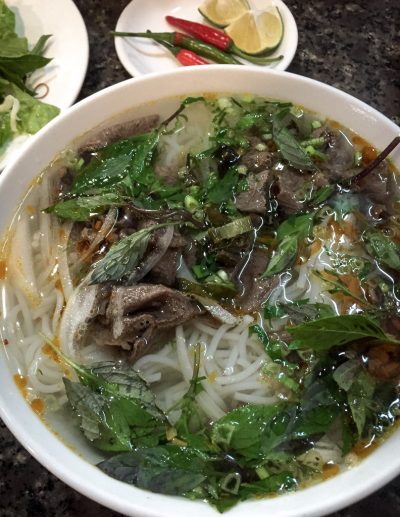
216 311
105 229
76 315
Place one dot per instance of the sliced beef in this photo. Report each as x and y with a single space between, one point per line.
254 290
140 314
164 271
288 189
169 175
255 199
381 186
118 132
257 161
384 362
340 152
135 318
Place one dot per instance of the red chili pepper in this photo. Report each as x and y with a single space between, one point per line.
184 56
189 58
202 32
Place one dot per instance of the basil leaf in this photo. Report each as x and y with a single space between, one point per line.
168 469
109 165
106 431
282 257
295 226
222 190
359 397
291 149
321 195
325 333
113 423
382 248
252 431
272 484
272 347
122 380
300 312
289 233
82 208
142 158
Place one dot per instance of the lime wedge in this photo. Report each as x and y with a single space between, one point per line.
223 12
257 32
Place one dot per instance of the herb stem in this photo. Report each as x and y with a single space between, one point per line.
361 175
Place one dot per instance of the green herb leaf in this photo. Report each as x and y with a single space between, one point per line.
165 469
272 484
359 398
272 347
109 165
189 425
282 257
252 431
325 333
40 44
290 148
124 256
299 312
321 195
111 414
289 234
83 208
231 230
295 226
382 248
222 190
32 114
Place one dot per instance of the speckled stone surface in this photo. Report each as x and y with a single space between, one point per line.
354 46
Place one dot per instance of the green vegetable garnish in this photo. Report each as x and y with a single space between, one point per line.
17 62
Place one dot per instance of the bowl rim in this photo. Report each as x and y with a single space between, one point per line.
78 473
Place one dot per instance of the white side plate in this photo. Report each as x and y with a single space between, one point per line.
68 46
140 56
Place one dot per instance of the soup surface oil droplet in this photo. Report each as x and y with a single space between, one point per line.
38 406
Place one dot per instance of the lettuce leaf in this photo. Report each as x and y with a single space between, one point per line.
33 114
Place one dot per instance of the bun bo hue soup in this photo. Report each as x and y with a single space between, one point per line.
212 291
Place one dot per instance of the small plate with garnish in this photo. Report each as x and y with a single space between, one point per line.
56 84
273 48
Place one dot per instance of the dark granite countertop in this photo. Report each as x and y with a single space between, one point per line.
352 45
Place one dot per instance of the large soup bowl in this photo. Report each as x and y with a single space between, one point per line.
69 457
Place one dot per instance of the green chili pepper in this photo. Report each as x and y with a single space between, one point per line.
181 40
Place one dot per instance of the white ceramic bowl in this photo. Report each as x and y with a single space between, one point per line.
373 472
